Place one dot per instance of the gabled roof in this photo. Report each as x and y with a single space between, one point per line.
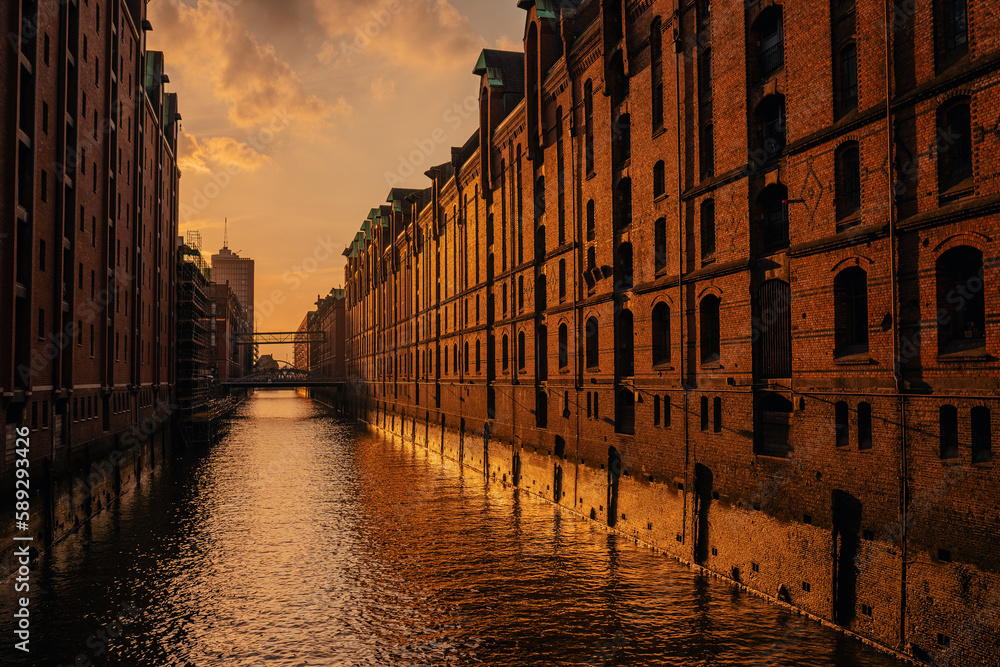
502 68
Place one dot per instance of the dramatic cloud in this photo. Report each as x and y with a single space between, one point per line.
211 153
412 33
209 43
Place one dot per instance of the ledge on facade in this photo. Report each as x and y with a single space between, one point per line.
953 211
849 358
848 237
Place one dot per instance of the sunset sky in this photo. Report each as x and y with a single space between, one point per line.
297 114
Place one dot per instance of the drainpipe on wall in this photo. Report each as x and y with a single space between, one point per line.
896 370
678 50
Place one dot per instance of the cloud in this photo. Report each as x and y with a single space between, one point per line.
382 89
412 33
207 41
508 43
212 153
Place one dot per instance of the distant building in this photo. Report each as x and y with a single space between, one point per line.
232 361
267 363
228 267
327 359
194 334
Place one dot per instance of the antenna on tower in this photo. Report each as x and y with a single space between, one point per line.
225 239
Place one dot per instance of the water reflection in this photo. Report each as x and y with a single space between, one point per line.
300 540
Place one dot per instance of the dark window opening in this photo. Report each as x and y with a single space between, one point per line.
864 426
961 300
770 38
851 312
842 425
948 416
954 155
707 230
625 412
659 180
710 331
593 340
773 215
982 435
661 334
848 180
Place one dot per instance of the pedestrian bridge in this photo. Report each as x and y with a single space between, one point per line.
283 378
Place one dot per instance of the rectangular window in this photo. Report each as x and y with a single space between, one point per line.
41 324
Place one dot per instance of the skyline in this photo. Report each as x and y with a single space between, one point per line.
303 117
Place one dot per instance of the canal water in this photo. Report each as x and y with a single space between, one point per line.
302 539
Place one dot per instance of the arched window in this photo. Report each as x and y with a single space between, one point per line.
505 354
710 329
456 362
563 346
444 369
661 334
982 435
660 243
961 300
626 344
842 426
659 180
593 342
848 180
625 266
504 292
850 311
948 416
520 293
521 357
954 155
466 357
772 214
770 38
479 358
864 426
591 258
591 221
707 230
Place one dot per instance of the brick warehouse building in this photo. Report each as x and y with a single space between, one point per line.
87 261
697 278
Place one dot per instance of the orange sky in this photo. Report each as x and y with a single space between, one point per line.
297 115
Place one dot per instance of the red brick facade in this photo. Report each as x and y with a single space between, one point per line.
88 214
697 278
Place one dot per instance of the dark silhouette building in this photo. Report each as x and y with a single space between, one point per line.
88 221
722 275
